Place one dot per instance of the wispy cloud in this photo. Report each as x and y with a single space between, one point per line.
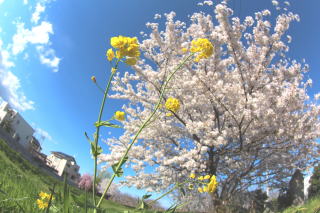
48 57
43 135
37 35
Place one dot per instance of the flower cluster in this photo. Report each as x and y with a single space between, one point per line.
43 202
202 46
126 47
85 182
172 104
210 186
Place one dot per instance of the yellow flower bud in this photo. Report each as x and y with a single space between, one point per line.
110 54
206 177
93 78
113 70
200 178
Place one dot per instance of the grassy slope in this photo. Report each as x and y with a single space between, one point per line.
311 206
20 183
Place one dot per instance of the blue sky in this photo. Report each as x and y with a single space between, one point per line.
51 48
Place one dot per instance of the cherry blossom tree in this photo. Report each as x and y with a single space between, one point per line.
245 115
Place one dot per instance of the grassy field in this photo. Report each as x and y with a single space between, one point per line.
21 182
311 206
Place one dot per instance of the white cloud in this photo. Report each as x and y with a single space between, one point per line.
48 57
10 89
37 35
25 1
1 1
36 15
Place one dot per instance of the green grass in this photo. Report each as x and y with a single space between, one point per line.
21 182
311 206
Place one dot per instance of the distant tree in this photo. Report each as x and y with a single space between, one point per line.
259 199
314 181
283 200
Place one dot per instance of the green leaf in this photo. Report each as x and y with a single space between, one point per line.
66 195
120 170
142 205
87 137
95 150
146 196
107 124
172 209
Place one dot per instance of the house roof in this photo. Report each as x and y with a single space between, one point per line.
64 156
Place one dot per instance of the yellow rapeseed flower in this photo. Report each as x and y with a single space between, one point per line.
172 104
212 186
119 42
127 47
120 116
192 175
205 189
202 46
200 190
206 177
190 186
184 50
42 204
110 54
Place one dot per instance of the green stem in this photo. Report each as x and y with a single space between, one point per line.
168 192
142 127
96 138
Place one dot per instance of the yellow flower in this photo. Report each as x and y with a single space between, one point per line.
113 70
184 50
110 54
41 204
200 178
93 78
200 190
44 195
190 186
172 104
118 42
205 189
206 177
212 186
202 46
120 116
192 175
126 46
131 61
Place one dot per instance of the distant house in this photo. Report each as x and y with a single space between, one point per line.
64 164
17 127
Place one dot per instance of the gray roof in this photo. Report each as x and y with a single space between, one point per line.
64 156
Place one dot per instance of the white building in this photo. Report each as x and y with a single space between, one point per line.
64 164
17 127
